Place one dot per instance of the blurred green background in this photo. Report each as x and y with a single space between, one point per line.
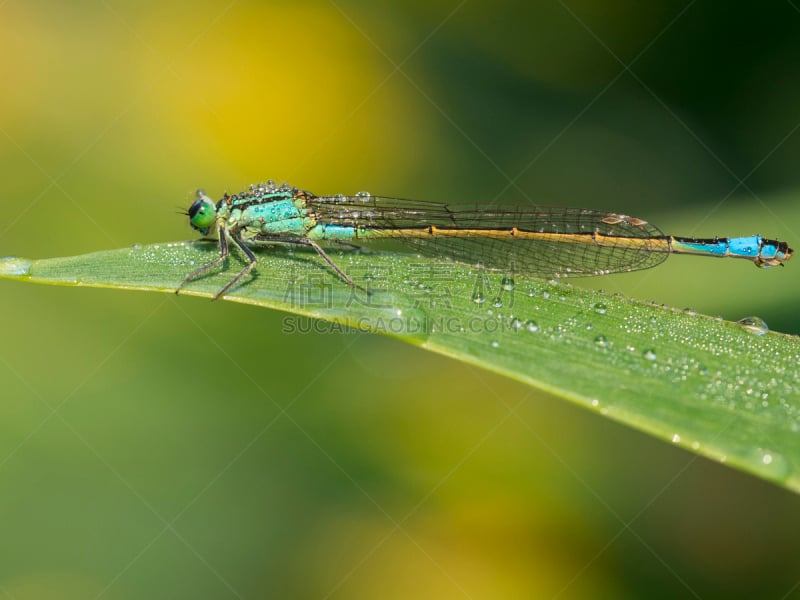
163 447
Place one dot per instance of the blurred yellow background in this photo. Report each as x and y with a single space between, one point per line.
163 447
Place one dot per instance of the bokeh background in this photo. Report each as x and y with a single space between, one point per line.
163 447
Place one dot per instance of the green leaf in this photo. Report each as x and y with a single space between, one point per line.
719 389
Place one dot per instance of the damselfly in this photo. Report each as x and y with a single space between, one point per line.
528 240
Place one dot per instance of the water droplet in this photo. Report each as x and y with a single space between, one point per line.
363 195
498 302
516 324
676 438
15 266
649 354
495 344
478 298
507 283
602 341
775 462
532 326
600 308
546 295
690 311
754 325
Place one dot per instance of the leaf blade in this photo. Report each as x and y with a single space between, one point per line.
707 385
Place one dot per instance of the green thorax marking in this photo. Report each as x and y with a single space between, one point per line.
264 211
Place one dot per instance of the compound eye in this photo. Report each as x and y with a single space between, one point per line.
202 214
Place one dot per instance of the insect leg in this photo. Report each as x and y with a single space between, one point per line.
319 250
223 254
236 236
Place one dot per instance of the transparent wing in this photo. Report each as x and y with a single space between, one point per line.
572 253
